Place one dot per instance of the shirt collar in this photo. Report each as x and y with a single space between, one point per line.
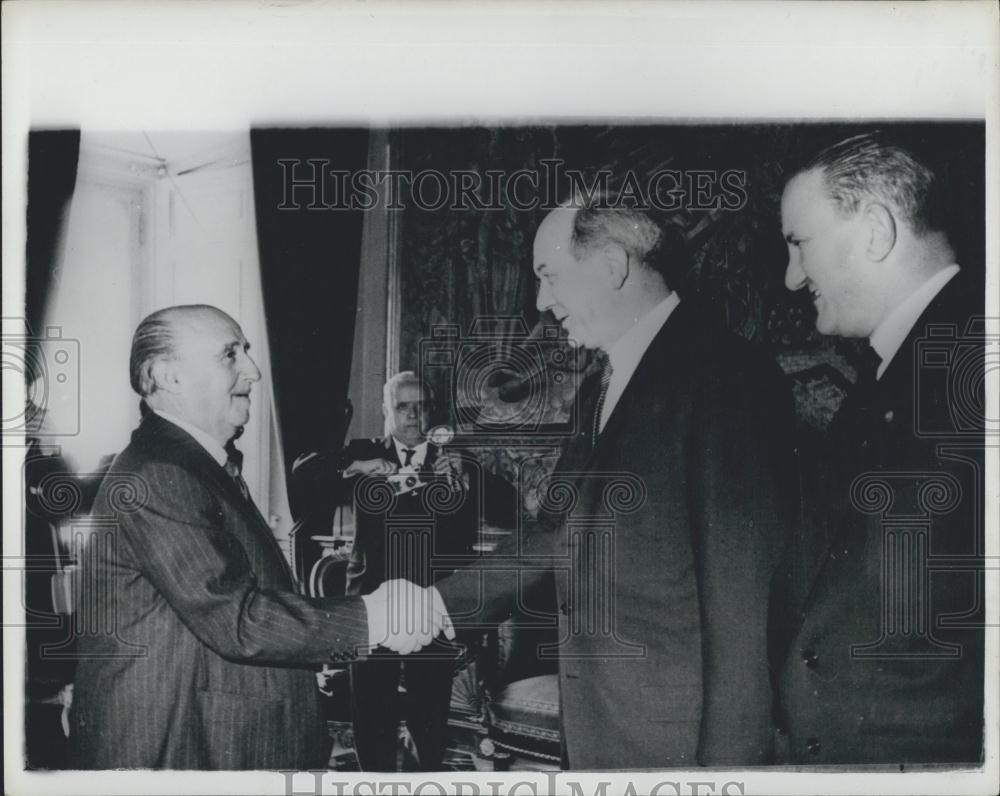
419 451
628 349
890 334
215 450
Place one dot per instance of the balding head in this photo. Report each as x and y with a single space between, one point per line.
600 268
192 362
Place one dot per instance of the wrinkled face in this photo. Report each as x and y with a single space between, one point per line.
214 373
826 255
576 292
408 416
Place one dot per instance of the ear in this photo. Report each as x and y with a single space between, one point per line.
163 372
881 227
618 265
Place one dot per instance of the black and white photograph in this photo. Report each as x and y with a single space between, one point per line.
500 398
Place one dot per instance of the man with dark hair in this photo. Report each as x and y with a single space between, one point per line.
673 499
415 542
196 649
886 661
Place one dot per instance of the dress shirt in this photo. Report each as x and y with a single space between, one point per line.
215 450
420 453
629 348
890 334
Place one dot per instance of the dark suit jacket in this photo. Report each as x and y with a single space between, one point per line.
870 676
663 539
195 645
446 536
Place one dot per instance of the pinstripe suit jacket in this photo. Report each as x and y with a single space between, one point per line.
195 646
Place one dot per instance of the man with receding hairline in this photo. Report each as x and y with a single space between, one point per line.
197 651
679 476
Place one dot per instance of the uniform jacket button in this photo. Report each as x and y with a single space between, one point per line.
813 746
810 658
888 416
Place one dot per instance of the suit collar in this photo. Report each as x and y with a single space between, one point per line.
214 449
890 335
678 337
391 454
173 442
952 303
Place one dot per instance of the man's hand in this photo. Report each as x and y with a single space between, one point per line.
370 467
404 617
450 465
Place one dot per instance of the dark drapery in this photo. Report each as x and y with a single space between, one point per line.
310 249
52 161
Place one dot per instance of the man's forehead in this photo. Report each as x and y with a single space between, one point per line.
553 236
408 393
806 186
208 328
805 194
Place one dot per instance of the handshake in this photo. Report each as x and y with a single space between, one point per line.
403 617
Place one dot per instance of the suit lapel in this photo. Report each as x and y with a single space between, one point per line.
162 432
662 362
389 451
859 415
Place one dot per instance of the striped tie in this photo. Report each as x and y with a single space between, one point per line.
605 382
234 467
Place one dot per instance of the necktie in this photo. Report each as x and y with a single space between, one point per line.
868 365
234 467
409 456
605 382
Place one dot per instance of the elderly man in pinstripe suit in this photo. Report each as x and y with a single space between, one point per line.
197 650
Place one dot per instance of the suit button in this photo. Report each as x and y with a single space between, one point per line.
810 659
813 746
888 416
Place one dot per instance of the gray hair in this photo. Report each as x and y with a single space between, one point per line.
154 338
402 379
872 166
601 220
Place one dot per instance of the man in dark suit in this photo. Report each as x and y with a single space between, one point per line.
664 518
411 540
885 664
195 650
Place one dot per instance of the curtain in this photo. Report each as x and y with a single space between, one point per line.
310 249
52 162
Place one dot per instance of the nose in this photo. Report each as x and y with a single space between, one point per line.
250 370
543 300
795 277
